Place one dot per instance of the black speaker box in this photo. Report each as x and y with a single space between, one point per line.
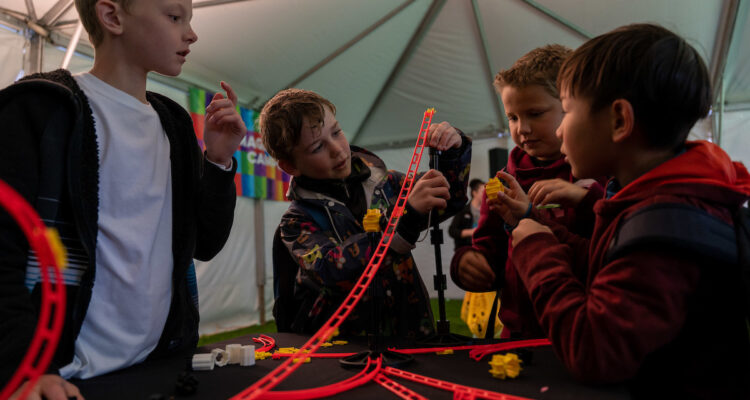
498 160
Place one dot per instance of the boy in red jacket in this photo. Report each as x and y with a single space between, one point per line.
532 103
667 322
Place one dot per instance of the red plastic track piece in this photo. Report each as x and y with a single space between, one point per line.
329 390
461 390
52 313
477 350
267 341
478 354
326 331
397 388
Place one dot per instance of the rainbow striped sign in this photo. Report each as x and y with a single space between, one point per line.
257 176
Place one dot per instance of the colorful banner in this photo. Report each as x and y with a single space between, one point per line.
257 176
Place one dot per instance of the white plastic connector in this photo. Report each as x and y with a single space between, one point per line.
220 357
248 356
203 362
235 353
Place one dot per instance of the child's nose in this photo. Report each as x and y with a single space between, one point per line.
524 127
192 37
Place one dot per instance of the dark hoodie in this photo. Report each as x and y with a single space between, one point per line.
490 239
666 321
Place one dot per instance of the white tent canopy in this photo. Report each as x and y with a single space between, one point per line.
382 63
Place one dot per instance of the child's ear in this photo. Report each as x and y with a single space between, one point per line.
623 120
108 13
288 167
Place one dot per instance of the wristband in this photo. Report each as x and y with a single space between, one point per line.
509 228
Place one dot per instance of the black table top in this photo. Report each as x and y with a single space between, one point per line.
544 378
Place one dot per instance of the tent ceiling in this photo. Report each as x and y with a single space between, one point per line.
383 62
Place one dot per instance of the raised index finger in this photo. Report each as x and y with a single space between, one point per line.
230 93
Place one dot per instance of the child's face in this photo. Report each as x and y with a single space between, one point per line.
323 151
157 34
533 116
585 138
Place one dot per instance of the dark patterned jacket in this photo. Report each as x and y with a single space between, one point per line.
49 155
332 249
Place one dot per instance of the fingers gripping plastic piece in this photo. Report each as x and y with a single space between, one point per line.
263 385
44 242
493 187
398 389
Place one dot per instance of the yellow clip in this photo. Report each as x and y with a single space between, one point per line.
58 250
262 355
296 360
492 187
444 352
341 342
430 110
371 222
505 365
334 332
326 344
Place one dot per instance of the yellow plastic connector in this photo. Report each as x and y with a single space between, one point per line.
326 344
287 350
444 352
430 110
262 355
58 250
334 333
493 187
306 360
505 366
340 342
371 221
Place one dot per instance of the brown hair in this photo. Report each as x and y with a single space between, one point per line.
280 121
537 67
87 14
661 75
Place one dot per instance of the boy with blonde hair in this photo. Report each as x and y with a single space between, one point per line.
532 104
322 233
117 170
660 315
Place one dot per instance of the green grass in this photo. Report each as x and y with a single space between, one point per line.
452 314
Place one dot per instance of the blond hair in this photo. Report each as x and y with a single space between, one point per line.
87 14
537 67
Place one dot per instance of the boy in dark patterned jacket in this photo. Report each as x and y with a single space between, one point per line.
334 184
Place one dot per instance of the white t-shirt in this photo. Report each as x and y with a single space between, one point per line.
133 282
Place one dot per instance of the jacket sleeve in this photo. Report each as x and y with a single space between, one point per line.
604 331
215 212
489 239
23 120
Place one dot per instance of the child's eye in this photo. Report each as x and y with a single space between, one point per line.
317 148
536 113
338 132
512 118
174 18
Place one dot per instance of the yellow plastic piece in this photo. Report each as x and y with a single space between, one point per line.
333 334
262 355
340 342
430 110
58 250
505 366
493 187
444 352
326 344
475 311
287 350
371 222
306 360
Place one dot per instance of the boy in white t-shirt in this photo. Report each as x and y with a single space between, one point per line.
118 172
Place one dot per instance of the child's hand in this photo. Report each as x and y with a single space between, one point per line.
52 387
224 127
475 273
513 203
526 227
443 136
556 191
430 191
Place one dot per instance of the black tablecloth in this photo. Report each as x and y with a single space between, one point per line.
544 378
